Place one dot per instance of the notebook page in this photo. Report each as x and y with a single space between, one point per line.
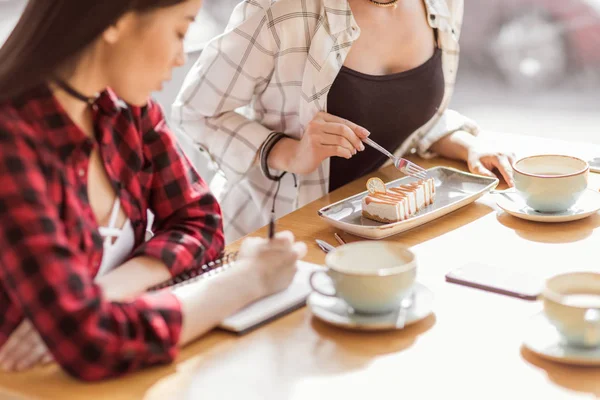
274 306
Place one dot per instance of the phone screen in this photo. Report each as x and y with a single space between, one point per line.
497 280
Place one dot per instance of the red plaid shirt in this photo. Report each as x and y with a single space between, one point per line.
50 247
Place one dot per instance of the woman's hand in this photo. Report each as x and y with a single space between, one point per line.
325 136
480 157
24 349
483 162
272 262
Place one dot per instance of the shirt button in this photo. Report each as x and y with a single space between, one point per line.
81 172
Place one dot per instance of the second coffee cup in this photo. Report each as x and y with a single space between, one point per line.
572 305
371 277
551 183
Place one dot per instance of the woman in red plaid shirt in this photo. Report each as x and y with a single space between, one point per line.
84 155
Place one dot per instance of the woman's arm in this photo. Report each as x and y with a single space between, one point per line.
264 267
48 279
133 278
227 75
479 157
188 229
455 145
89 336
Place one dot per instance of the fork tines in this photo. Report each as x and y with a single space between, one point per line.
416 171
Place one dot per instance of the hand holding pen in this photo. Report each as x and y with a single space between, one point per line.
272 259
285 239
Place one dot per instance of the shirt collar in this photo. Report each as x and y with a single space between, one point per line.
339 16
109 104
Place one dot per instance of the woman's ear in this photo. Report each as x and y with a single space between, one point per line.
111 34
114 32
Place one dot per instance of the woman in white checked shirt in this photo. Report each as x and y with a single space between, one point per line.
281 101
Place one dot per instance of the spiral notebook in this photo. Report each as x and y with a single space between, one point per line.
261 311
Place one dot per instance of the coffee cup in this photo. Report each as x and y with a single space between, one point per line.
572 305
371 277
550 183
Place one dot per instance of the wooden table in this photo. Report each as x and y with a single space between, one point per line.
470 348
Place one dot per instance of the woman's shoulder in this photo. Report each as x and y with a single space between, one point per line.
283 6
279 12
282 19
17 125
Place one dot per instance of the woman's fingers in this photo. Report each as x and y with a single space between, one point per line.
343 134
47 358
477 167
503 165
24 349
361 132
284 236
330 140
15 340
30 357
337 151
300 249
281 241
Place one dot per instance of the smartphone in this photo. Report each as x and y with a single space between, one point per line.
497 280
595 164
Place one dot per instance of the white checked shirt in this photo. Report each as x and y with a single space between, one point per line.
271 71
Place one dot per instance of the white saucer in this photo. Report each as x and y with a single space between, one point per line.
335 311
542 338
588 204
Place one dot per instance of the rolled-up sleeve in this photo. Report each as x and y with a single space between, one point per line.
188 229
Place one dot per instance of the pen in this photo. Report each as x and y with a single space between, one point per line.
272 227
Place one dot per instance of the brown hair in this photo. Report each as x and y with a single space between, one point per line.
52 33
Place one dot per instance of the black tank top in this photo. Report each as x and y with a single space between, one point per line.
391 107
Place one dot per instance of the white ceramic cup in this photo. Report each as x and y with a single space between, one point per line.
572 305
551 183
371 277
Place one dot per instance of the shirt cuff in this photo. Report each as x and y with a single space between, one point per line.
176 256
168 307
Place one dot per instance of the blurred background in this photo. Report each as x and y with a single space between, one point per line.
529 67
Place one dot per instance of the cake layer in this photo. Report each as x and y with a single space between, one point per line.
399 203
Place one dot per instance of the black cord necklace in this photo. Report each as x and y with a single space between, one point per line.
79 96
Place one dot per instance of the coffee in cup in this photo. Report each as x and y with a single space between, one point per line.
551 183
371 277
572 305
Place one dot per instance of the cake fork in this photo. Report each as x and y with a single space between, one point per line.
405 166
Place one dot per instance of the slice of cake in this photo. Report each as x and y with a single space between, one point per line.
399 203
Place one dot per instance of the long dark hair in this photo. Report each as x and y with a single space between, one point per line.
52 33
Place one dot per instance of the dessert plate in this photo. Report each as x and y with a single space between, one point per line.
513 204
454 189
